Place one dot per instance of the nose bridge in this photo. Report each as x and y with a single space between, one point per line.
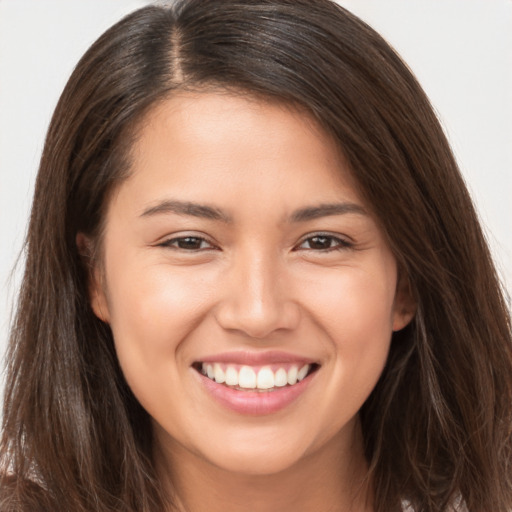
256 300
260 289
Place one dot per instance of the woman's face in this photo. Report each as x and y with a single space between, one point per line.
239 247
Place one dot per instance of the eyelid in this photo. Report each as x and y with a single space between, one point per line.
344 242
168 241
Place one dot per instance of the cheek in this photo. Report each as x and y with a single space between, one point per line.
354 307
152 310
356 314
354 302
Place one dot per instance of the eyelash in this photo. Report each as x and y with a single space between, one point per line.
173 243
340 243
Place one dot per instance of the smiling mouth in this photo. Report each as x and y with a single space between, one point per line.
248 378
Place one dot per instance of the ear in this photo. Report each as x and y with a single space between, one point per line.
404 307
95 280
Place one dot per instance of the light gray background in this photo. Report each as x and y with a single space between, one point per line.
461 51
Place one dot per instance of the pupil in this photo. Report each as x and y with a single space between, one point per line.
189 243
320 242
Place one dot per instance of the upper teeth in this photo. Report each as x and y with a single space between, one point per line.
248 378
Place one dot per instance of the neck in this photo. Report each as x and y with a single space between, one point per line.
330 480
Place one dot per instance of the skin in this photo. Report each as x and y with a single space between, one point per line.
253 279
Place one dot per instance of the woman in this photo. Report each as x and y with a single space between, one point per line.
255 280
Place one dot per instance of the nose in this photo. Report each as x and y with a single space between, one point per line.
257 299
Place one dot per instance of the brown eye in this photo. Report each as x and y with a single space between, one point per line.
187 243
324 243
319 242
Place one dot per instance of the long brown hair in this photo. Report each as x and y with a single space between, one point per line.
437 427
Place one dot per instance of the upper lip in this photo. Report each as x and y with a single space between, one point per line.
256 358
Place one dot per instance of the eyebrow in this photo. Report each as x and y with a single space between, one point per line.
186 208
212 213
326 210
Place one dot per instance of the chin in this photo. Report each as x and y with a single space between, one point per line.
253 462
255 451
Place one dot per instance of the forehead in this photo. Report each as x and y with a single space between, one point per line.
208 116
226 147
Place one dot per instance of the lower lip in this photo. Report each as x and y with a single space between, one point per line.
254 402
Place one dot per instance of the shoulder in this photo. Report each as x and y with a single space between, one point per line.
22 495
